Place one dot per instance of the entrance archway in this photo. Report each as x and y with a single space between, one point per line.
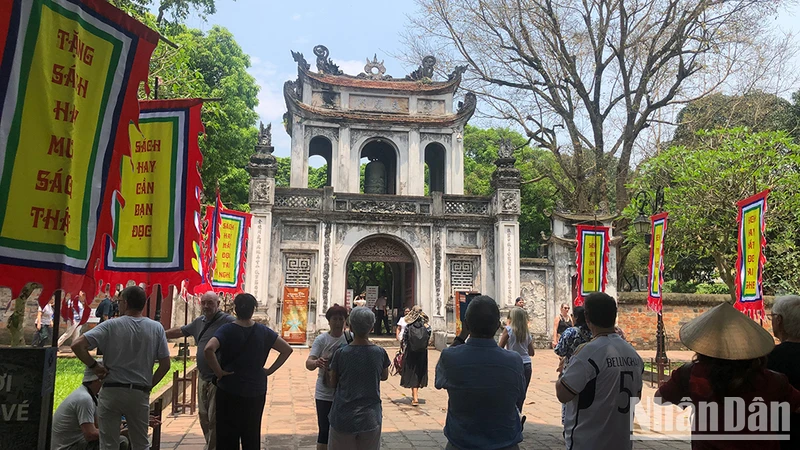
388 263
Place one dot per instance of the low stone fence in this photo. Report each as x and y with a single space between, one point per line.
639 322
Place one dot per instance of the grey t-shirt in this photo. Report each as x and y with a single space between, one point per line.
323 347
194 329
357 402
77 409
131 346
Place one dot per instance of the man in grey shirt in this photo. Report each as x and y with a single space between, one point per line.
131 345
202 329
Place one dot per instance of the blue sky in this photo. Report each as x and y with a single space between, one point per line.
351 29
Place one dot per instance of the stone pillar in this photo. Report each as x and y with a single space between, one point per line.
506 210
455 156
345 168
262 170
416 164
299 157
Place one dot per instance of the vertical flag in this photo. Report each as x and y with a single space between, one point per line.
155 215
70 71
227 248
750 260
655 273
592 260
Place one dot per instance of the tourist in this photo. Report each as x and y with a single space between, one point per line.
571 339
562 322
415 353
361 300
785 358
74 316
516 338
202 329
130 344
519 302
381 315
595 383
484 385
240 376
44 324
321 352
730 363
401 325
356 371
104 309
75 418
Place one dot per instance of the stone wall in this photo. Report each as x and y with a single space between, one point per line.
639 323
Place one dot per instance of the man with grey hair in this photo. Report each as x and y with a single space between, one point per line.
785 358
202 330
356 371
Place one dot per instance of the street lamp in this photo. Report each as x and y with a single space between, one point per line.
642 226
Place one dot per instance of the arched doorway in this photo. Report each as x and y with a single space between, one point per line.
434 163
387 263
382 151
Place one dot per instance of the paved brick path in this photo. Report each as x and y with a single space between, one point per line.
290 418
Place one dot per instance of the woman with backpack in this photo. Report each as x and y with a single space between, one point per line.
321 352
414 374
516 338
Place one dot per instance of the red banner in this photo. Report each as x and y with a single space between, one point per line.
592 260
295 314
751 259
156 211
70 72
655 272
230 235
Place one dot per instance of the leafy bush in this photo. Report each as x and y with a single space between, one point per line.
712 288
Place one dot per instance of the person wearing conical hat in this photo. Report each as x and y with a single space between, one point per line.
785 358
730 368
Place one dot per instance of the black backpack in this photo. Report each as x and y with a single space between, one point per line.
418 336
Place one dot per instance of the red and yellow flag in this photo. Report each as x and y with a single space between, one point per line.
592 260
750 260
655 273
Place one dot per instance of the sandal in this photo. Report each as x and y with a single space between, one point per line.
414 402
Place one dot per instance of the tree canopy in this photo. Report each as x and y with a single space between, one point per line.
704 182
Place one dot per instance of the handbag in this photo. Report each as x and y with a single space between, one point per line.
397 363
327 379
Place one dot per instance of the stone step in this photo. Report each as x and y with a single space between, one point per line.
385 342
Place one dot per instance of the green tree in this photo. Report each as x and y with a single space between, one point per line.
177 10
703 184
758 111
538 192
213 65
362 274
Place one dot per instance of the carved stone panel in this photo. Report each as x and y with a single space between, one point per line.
329 132
383 206
326 99
462 274
299 233
534 290
399 138
261 190
368 103
297 270
462 238
430 107
381 250
508 201
446 139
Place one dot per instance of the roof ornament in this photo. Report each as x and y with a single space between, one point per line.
425 71
300 60
262 163
265 135
457 72
374 69
324 64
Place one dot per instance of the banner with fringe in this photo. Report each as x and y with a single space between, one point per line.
655 267
157 210
228 239
592 260
750 259
69 77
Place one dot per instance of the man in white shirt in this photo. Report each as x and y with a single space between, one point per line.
131 345
600 383
381 318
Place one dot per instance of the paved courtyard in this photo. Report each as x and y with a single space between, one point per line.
290 418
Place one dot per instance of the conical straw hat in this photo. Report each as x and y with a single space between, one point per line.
724 332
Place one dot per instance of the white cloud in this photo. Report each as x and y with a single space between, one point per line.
351 67
271 105
297 17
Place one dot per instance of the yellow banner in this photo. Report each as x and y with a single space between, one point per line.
228 251
67 78
144 228
752 253
295 314
655 280
592 252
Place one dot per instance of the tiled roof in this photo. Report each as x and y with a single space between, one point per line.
427 87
